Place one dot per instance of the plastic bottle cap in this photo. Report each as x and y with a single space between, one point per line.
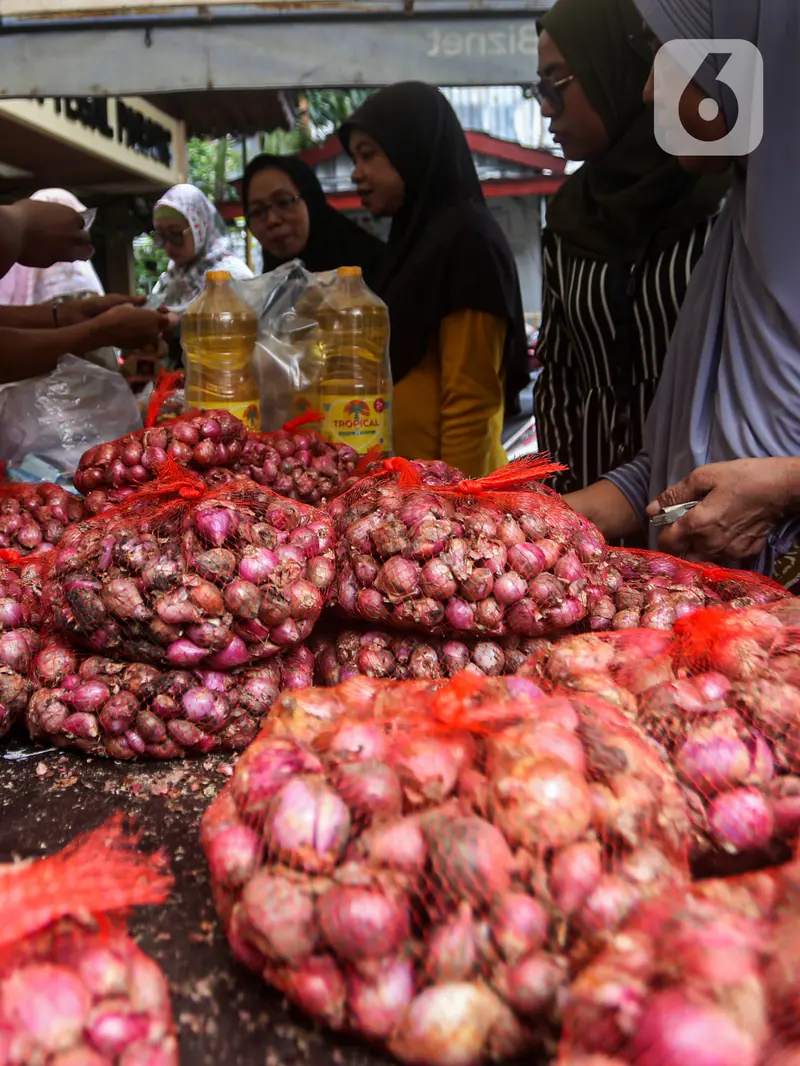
217 276
349 272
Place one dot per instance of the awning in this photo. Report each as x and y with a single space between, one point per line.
238 112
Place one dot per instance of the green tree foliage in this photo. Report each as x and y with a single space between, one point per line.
215 164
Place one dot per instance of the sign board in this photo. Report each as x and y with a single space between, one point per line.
133 60
80 8
129 133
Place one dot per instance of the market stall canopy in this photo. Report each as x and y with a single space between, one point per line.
102 47
239 112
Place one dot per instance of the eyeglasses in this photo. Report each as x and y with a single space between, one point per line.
173 237
260 212
551 92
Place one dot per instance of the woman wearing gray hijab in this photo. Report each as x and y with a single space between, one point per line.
725 424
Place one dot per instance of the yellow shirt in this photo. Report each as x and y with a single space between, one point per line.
451 406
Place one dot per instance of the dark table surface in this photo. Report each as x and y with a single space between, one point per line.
223 1013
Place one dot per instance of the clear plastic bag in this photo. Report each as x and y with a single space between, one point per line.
284 361
62 414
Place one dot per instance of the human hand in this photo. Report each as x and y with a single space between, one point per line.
50 233
70 312
130 328
740 502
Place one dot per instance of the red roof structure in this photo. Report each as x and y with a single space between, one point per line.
522 171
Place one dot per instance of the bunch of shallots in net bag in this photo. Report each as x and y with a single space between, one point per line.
651 590
297 461
130 710
74 988
367 652
707 976
490 557
423 863
200 441
191 576
20 619
33 518
721 697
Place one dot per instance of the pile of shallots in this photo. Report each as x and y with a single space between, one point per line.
131 710
33 518
74 988
721 698
708 976
464 558
504 556
381 653
193 577
20 619
424 864
199 441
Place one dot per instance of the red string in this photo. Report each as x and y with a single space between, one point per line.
307 419
101 872
9 555
166 383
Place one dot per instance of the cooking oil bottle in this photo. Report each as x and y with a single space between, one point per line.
218 333
355 384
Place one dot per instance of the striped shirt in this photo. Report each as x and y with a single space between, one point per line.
605 331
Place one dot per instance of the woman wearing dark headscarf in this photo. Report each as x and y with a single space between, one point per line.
457 329
623 236
288 214
724 428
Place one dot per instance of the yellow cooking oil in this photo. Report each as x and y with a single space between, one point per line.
218 333
355 382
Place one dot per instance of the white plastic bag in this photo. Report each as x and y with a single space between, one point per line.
60 415
285 360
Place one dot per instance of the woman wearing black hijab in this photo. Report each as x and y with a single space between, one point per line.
449 279
288 214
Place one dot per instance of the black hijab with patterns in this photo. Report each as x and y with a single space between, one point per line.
446 252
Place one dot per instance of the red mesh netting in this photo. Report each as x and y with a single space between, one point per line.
130 710
33 518
425 864
190 576
708 976
342 654
490 557
73 987
109 473
20 619
721 698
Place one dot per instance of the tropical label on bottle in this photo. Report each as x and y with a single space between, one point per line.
248 412
363 422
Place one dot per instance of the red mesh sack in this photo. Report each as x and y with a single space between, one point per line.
130 710
109 473
33 518
654 590
489 558
708 976
74 988
20 619
381 653
721 697
188 576
424 863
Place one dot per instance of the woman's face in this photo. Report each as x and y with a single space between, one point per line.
574 123
379 185
692 111
277 215
176 239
